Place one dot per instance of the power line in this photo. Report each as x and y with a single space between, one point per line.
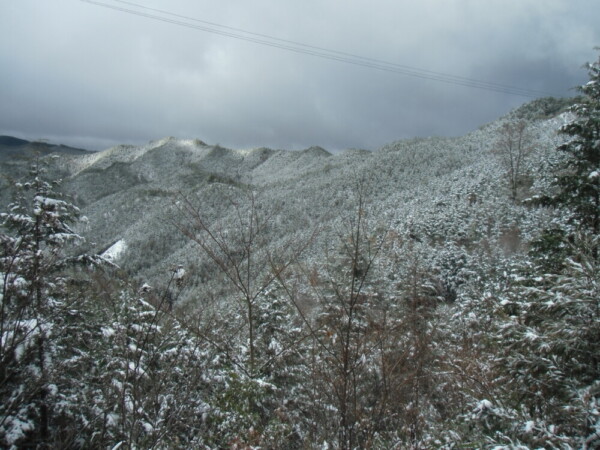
413 70
320 52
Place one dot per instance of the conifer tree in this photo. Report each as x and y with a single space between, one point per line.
33 237
579 181
548 313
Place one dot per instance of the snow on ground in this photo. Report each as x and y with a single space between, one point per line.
115 251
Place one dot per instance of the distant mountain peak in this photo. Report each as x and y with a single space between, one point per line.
316 151
12 147
11 141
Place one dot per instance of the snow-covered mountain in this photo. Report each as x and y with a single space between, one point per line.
15 155
130 193
424 295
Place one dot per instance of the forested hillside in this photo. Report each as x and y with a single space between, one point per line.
435 293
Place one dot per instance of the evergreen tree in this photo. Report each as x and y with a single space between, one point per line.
545 316
137 374
34 235
579 181
545 331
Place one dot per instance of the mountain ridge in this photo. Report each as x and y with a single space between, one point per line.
129 193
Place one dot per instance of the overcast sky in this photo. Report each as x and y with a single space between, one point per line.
91 76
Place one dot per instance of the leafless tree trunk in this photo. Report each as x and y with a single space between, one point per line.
513 147
340 332
242 254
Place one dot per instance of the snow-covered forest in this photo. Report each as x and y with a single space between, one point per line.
435 293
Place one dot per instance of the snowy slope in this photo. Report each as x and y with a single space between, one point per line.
424 185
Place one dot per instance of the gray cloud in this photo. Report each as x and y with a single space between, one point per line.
85 75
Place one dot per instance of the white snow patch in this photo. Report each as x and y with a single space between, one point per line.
107 331
529 426
530 335
179 273
115 251
17 429
484 405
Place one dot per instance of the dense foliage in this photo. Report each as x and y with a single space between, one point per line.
452 310
579 180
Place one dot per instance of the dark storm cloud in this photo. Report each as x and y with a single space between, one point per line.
86 75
